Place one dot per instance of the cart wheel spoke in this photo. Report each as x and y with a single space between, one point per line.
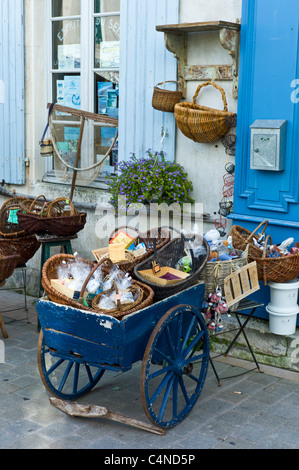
169 393
166 397
67 379
161 386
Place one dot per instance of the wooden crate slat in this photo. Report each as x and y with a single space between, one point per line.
241 284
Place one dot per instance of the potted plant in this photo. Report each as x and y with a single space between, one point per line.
150 179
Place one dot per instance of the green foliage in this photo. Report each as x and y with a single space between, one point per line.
150 179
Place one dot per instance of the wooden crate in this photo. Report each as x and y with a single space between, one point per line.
241 284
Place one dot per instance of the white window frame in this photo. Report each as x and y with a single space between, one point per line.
87 73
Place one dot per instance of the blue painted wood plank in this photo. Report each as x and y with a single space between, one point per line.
12 124
103 340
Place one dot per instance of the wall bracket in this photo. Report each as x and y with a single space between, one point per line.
176 41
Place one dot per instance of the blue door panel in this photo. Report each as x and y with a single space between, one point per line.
268 89
268 66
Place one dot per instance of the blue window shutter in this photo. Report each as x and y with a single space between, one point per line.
12 134
145 62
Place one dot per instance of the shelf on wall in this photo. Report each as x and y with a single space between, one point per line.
176 42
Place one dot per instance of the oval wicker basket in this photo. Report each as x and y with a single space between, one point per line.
203 124
26 247
9 260
10 229
165 100
145 299
280 269
242 237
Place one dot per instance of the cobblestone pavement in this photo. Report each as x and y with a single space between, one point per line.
251 411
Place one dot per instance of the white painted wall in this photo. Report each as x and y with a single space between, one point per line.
205 162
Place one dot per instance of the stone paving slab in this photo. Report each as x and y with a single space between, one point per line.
251 411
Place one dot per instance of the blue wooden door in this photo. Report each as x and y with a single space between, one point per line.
12 144
268 89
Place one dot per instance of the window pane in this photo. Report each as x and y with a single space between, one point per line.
104 6
104 137
66 45
66 7
107 34
107 93
67 90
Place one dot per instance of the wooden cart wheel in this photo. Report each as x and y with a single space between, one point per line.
174 366
64 378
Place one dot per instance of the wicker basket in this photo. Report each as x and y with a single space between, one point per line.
7 228
162 237
203 124
165 100
281 269
49 271
241 237
169 255
145 299
9 260
214 273
64 226
25 247
61 207
37 207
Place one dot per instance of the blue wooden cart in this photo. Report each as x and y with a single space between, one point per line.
170 337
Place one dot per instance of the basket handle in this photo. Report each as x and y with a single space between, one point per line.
94 269
215 86
265 222
183 237
36 199
167 81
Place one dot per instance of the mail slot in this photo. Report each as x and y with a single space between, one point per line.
268 145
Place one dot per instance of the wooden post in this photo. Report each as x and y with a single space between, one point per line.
77 157
2 327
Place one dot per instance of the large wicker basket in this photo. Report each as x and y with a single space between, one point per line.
203 124
214 273
25 247
165 100
9 260
242 237
64 226
8 228
280 269
169 255
49 272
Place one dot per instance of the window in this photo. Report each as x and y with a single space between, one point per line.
84 75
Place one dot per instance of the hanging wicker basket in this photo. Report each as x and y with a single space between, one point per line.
165 100
203 124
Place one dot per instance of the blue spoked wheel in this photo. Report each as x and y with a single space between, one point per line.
174 366
63 377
